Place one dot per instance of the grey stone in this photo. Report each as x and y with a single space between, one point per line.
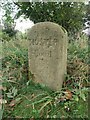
48 54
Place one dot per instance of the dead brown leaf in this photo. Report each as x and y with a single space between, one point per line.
14 102
68 94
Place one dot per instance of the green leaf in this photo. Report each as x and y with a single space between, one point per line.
18 99
9 95
14 91
82 95
76 98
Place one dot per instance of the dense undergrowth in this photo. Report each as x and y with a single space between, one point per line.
21 98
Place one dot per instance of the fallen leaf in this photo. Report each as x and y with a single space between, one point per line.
68 94
14 102
62 99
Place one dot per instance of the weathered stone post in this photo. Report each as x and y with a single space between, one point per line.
48 54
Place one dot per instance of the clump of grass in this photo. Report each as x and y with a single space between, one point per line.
26 99
15 61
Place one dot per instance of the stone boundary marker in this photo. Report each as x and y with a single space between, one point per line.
48 54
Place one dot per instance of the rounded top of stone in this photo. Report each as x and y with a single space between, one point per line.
48 28
48 24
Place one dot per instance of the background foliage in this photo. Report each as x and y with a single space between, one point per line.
67 14
8 19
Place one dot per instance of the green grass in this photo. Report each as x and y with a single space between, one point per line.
38 101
